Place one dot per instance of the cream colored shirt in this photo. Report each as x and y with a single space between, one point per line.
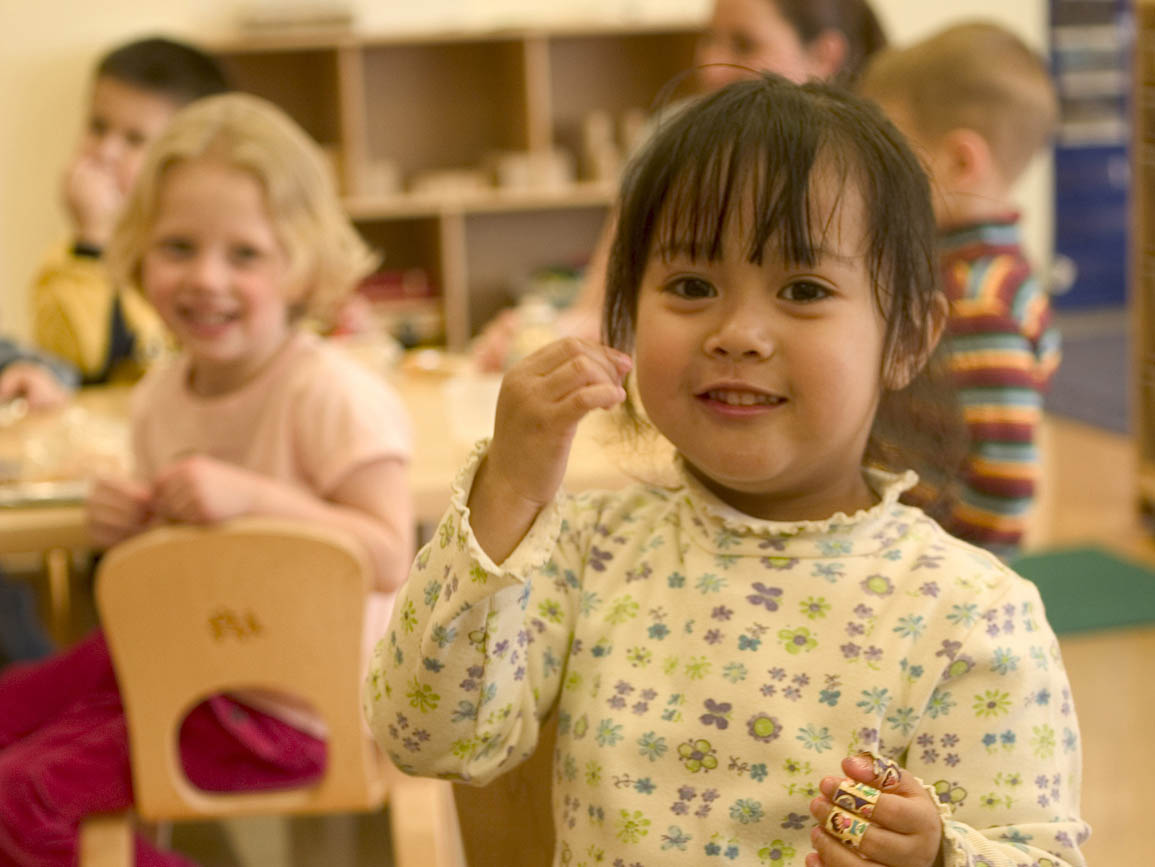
708 669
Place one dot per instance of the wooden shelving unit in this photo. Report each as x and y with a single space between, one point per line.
446 101
1142 294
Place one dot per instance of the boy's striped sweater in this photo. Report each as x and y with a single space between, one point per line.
1003 351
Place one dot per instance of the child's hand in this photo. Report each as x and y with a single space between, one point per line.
902 829
118 509
542 400
203 490
33 382
94 199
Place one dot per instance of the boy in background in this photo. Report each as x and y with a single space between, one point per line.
110 332
979 105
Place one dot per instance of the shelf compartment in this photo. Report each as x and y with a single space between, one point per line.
614 73
444 105
503 249
304 82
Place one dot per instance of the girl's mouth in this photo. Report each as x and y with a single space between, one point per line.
741 398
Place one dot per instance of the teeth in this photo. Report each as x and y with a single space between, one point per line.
742 398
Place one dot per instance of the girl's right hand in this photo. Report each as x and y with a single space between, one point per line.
118 509
542 399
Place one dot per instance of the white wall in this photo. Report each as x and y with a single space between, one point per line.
50 45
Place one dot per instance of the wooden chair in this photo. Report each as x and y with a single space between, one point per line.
190 612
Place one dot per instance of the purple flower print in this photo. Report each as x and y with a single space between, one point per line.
765 596
717 714
794 821
599 558
722 613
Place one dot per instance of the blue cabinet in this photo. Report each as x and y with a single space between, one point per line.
1090 54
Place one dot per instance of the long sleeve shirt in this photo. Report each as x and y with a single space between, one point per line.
708 669
107 333
12 352
1003 351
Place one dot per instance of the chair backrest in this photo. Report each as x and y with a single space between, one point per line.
191 612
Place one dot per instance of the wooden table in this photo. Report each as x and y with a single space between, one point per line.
58 530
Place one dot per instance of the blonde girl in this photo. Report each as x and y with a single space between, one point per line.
234 232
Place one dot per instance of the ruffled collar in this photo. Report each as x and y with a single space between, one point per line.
723 530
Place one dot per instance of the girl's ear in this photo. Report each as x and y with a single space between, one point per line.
900 372
828 52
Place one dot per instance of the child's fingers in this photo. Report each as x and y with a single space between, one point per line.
573 354
876 846
891 810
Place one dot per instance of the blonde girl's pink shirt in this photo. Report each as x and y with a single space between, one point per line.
309 419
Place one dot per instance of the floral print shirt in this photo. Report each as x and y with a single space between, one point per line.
709 668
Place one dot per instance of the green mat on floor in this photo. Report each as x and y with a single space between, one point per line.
1089 588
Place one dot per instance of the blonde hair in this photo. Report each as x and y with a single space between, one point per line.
975 75
326 256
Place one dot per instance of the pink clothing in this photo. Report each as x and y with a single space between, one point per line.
64 755
310 418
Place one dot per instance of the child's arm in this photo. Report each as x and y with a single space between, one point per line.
542 400
372 503
474 654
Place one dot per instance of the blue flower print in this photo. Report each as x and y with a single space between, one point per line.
765 596
675 838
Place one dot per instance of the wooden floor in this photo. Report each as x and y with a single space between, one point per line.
1090 498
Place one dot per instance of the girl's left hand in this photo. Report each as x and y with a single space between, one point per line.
203 490
905 829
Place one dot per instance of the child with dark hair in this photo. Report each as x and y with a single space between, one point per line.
715 643
802 40
109 332
979 105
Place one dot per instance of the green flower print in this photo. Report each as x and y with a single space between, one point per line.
992 703
877 585
797 640
776 853
632 827
698 755
814 738
422 697
763 727
814 608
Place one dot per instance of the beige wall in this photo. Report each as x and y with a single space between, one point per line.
49 46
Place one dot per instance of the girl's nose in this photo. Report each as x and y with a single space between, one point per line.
741 336
207 272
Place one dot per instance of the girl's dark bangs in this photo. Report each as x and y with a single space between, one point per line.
760 177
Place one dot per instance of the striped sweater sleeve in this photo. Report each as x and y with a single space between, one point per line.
1002 352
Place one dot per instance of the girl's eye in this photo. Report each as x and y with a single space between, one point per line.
805 291
245 255
175 247
690 288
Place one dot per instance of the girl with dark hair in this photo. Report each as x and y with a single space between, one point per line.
714 644
827 40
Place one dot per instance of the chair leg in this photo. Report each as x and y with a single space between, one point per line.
423 821
106 841
58 567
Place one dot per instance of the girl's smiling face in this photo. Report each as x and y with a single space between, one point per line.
216 271
766 376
